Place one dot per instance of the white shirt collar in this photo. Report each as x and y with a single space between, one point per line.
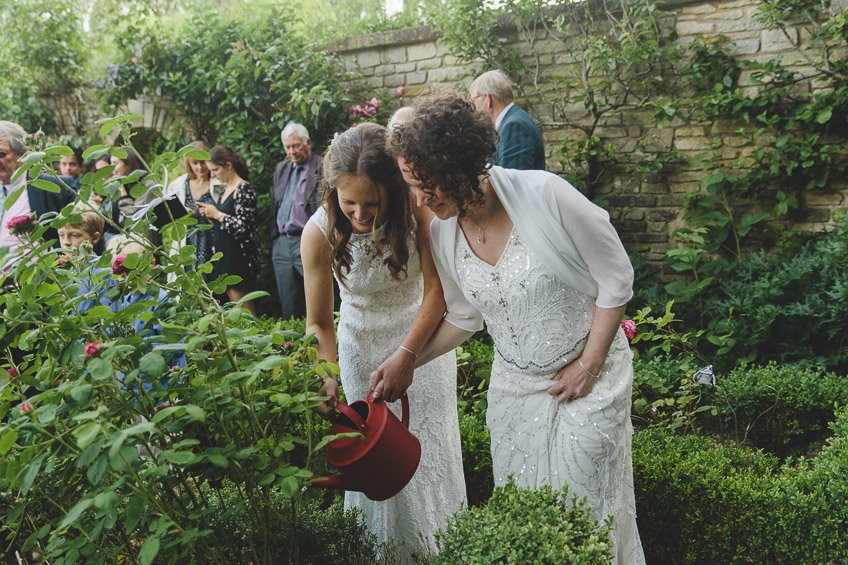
500 117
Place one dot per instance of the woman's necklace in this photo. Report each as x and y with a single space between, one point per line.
481 239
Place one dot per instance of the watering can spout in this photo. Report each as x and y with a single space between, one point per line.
337 483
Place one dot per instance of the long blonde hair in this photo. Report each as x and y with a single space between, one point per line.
361 151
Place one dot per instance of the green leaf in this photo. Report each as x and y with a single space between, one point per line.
218 460
7 440
75 512
179 457
140 428
289 486
95 472
196 412
118 152
101 369
45 185
148 550
95 151
153 364
32 472
106 128
86 434
256 294
824 116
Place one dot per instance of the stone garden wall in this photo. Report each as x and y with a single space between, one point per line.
645 211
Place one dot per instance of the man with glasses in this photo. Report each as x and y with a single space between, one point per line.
295 197
32 199
520 144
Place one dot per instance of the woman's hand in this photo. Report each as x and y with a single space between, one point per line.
210 211
331 389
572 381
394 376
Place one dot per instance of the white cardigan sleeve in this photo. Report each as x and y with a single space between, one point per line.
459 311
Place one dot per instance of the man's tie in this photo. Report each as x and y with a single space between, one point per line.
288 200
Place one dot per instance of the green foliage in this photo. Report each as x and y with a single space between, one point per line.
783 409
705 503
476 456
111 447
523 525
474 368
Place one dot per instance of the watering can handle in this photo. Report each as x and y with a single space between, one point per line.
352 414
404 402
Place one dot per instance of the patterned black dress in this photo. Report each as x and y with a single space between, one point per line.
236 238
202 241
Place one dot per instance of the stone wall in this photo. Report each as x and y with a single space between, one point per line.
647 210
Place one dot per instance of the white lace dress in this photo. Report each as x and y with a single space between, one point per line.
538 325
376 314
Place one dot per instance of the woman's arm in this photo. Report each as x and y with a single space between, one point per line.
574 380
447 337
394 375
317 260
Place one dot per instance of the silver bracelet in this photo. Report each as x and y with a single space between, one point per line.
598 376
409 350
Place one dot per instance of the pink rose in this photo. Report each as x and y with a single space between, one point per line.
358 109
92 349
26 407
13 372
175 368
355 110
163 406
240 47
134 59
374 102
369 112
400 91
629 327
118 265
21 224
289 344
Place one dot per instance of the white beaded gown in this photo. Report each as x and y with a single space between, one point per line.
375 316
538 325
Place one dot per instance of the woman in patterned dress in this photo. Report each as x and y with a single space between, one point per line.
368 236
234 220
543 267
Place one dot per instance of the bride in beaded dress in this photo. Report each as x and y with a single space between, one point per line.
367 236
543 267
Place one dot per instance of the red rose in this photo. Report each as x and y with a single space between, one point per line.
13 372
629 327
118 265
240 47
92 349
26 407
21 224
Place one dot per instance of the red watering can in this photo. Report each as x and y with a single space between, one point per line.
380 465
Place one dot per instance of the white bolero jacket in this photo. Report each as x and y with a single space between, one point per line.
569 234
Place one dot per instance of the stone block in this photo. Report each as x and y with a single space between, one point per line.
393 81
634 226
670 200
662 215
632 201
690 143
824 199
446 74
384 70
654 188
633 214
417 77
812 214
610 132
405 67
690 131
421 51
774 40
427 64
394 55
698 9
375 82
690 28
731 25
367 59
685 187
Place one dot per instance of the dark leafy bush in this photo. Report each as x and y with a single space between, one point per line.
790 306
476 456
780 408
523 525
474 368
700 502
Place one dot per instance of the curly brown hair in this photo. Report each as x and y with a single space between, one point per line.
448 145
361 151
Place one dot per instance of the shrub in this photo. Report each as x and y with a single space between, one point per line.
476 456
111 449
700 502
474 369
524 525
780 408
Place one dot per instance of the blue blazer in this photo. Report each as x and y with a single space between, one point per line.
43 201
520 144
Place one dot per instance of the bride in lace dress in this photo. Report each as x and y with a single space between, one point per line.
543 267
367 236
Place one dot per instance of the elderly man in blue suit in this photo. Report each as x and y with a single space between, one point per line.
520 144
33 199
